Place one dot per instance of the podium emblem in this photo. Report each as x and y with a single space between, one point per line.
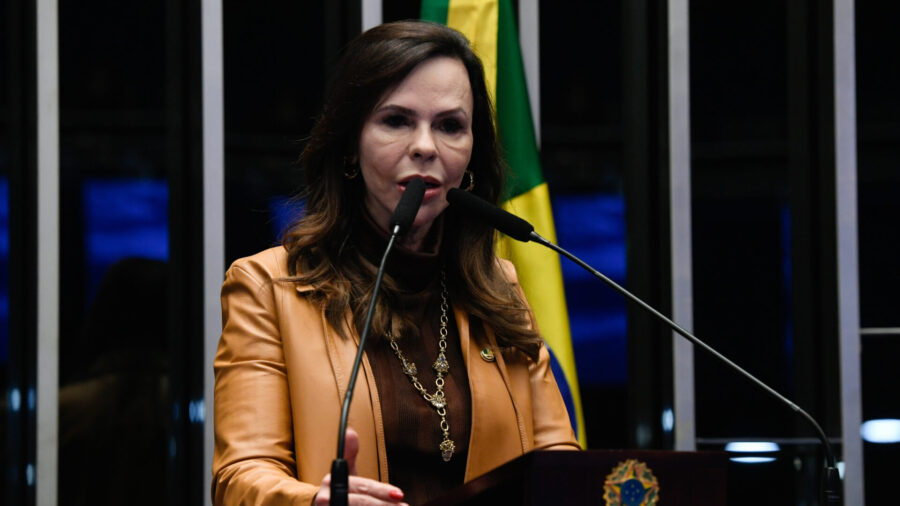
631 483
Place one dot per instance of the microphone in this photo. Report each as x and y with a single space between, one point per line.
508 223
408 207
521 230
401 220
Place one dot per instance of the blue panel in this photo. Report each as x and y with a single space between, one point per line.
284 212
4 270
123 218
592 227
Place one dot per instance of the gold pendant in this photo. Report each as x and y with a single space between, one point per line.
438 400
409 368
441 365
447 449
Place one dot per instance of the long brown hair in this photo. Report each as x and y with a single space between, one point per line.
320 252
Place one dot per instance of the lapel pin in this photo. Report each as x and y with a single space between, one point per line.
487 355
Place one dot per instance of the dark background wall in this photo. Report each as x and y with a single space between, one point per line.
130 384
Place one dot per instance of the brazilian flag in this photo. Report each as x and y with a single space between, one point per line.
490 27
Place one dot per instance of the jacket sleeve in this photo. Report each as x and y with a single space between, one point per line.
254 447
550 418
552 428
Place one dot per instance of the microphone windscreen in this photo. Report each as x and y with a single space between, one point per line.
408 207
475 206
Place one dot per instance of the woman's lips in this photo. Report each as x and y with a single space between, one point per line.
432 186
429 181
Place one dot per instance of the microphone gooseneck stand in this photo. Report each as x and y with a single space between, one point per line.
340 473
831 480
521 230
400 222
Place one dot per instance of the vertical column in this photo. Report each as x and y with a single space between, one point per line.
680 224
645 178
847 252
213 210
529 41
47 252
371 13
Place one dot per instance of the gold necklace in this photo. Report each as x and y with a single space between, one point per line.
441 366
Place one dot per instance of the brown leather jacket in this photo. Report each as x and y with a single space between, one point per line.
281 374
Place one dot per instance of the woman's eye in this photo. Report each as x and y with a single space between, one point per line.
395 120
451 125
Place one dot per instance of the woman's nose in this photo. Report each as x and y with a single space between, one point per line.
422 144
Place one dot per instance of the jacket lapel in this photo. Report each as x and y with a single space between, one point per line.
497 431
365 408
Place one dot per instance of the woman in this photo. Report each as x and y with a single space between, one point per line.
408 100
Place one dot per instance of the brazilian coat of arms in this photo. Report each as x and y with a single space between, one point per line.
631 483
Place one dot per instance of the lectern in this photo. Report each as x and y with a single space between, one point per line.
570 477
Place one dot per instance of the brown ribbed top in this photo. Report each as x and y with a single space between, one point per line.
411 425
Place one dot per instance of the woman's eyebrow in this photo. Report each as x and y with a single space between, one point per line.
410 112
453 112
398 109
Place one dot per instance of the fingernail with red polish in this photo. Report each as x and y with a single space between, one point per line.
396 494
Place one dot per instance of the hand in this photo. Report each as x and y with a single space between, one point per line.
362 491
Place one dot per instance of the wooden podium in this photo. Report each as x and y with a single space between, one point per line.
571 477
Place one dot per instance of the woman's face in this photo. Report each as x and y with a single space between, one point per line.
421 128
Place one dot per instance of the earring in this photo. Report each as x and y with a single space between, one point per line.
351 170
471 184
